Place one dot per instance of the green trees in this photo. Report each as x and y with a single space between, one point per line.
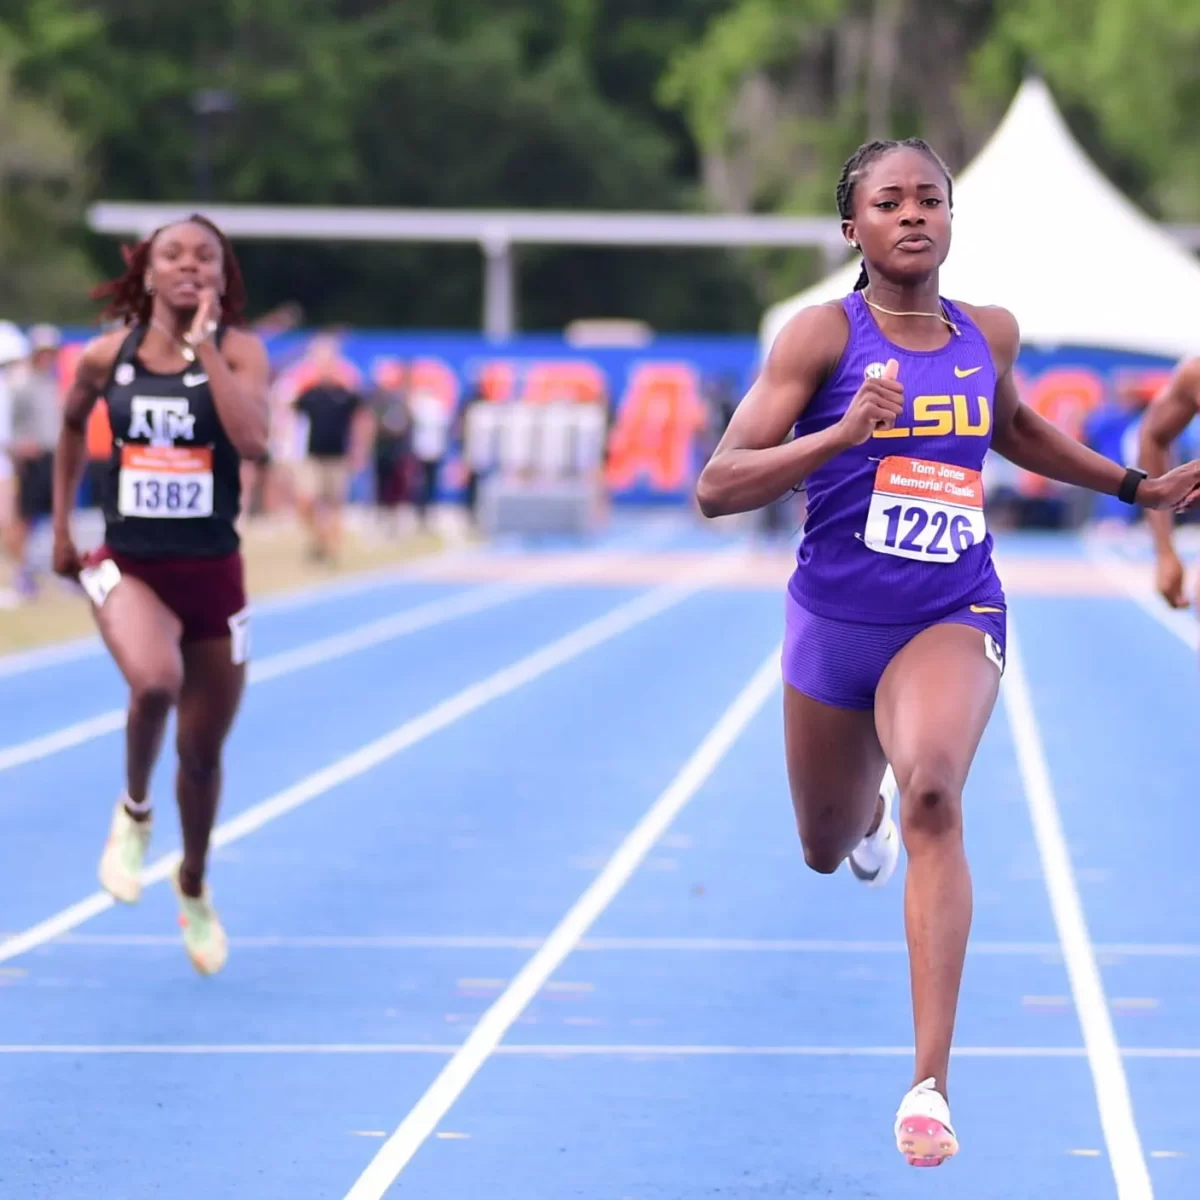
41 193
662 104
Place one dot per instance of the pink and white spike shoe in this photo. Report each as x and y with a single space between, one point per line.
924 1134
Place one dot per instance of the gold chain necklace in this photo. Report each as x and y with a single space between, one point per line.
891 312
189 355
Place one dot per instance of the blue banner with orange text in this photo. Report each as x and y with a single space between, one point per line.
667 401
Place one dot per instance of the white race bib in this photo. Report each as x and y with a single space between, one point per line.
165 482
925 510
99 580
239 636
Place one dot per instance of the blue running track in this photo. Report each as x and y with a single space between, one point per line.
729 1025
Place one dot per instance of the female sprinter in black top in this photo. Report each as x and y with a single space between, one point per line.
187 401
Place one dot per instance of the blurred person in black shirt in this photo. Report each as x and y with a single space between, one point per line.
393 435
334 451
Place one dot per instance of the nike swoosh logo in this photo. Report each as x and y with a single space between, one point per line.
969 371
195 380
984 608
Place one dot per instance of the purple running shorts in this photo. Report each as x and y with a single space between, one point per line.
840 663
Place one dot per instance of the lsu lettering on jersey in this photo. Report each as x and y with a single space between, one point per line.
895 530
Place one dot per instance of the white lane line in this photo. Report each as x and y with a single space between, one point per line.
386 629
595 633
236 1048
62 739
586 1050
360 583
324 650
421 941
576 1050
23 662
1134 579
423 568
605 944
314 942
1117 1118
487 1035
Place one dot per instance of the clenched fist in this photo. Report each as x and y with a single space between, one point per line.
876 405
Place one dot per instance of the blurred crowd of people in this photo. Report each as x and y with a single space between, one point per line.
328 431
397 441
330 428
30 415
392 442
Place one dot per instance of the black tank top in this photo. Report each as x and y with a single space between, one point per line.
173 486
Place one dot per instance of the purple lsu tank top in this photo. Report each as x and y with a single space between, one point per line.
895 531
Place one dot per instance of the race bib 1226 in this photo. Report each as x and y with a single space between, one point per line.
930 511
165 481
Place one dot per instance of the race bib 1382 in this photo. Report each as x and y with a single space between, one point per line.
165 481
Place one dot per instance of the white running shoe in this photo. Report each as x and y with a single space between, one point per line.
203 934
124 852
873 861
924 1134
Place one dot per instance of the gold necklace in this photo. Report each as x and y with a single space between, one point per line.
188 353
891 312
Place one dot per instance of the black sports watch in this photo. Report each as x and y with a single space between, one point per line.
1129 485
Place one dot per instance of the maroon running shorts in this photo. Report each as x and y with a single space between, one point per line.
208 595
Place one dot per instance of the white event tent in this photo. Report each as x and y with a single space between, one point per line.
1038 229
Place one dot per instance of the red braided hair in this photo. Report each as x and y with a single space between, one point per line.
128 299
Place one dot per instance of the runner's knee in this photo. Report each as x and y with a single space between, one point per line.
824 857
931 799
199 758
198 745
829 831
156 692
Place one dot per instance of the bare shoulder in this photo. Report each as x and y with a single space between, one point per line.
1187 375
1181 391
242 344
246 355
1001 329
96 360
98 356
92 373
811 341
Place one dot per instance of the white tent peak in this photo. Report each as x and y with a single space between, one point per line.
1040 230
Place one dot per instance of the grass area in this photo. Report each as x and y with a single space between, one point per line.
275 562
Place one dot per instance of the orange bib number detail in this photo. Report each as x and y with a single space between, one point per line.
165 482
929 511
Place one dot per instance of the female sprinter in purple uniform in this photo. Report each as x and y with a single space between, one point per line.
187 401
895 629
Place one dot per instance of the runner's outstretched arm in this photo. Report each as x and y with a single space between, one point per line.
1167 416
1031 442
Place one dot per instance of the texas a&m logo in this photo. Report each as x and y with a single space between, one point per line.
161 421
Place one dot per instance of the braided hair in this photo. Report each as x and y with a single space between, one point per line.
128 300
861 159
